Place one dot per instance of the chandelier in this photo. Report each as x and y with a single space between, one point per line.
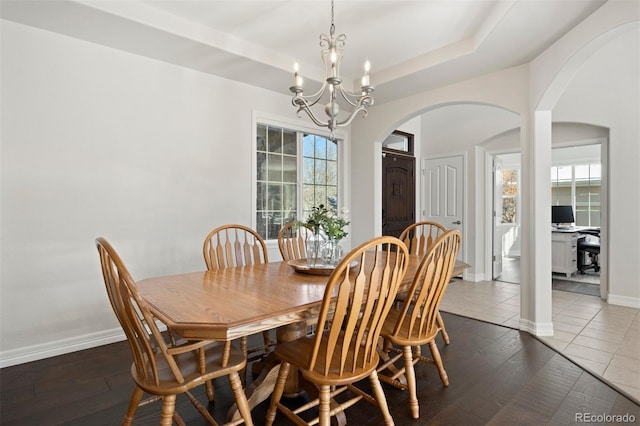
331 58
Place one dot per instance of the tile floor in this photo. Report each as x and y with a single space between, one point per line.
603 339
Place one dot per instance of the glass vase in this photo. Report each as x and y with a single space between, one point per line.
314 245
332 252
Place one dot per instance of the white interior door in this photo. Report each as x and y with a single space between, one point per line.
497 217
443 193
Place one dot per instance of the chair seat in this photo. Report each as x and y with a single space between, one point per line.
590 246
297 353
403 337
189 365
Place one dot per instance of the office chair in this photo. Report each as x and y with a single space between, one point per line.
590 248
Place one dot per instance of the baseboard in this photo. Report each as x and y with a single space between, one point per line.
537 329
467 276
629 302
60 347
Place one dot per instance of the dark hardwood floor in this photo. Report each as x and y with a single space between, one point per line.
497 376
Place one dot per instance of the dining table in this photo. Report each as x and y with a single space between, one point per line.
230 303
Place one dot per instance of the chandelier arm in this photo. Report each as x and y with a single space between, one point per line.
303 105
346 95
351 116
355 95
309 99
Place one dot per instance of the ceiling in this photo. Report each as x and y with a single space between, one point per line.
413 46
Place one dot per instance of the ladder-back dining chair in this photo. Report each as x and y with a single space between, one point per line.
159 368
292 241
419 237
414 323
357 298
234 245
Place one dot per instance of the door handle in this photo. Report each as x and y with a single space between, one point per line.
457 222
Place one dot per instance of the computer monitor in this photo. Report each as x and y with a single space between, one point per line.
562 216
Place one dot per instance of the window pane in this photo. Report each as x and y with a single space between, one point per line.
290 202
261 165
321 147
320 195
594 217
509 210
274 141
564 173
289 143
332 172
332 150
320 172
290 169
308 171
261 142
578 185
332 197
308 198
582 171
308 145
261 196
261 223
275 197
274 163
561 196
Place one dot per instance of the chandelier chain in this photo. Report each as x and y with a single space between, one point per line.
332 29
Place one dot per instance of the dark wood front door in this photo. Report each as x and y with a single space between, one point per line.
398 193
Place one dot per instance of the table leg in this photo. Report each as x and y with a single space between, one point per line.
288 333
261 388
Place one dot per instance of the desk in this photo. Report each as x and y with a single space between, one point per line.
564 249
226 304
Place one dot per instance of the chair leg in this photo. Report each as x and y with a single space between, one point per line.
168 407
324 407
241 398
435 354
380 398
136 397
278 390
443 330
209 383
410 375
268 342
244 349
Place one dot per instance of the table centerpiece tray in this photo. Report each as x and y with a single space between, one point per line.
300 265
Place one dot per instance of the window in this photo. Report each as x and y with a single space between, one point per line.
578 185
291 166
510 195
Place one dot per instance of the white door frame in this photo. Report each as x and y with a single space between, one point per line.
604 206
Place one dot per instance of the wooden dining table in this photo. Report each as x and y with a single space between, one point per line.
230 303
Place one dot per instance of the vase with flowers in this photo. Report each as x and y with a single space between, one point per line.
328 228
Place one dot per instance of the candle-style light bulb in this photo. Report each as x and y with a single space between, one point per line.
297 77
365 77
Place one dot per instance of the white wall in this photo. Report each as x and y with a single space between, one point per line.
99 142
606 92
